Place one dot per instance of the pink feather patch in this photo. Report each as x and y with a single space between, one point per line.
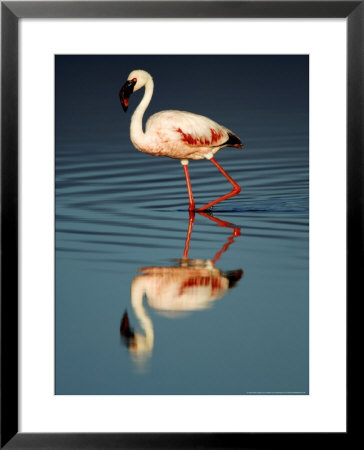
215 137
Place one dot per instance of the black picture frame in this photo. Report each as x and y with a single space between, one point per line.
11 12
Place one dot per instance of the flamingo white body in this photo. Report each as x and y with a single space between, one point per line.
176 134
181 135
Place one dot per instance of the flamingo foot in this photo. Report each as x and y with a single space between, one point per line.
234 192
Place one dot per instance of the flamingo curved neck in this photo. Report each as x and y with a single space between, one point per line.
137 293
137 134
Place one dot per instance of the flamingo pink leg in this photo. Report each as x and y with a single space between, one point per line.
234 192
189 188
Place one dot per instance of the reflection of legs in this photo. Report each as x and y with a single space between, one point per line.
191 206
189 232
225 247
234 192
222 223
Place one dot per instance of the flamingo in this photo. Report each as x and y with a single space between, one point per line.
177 134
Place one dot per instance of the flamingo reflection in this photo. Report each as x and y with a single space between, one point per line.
190 285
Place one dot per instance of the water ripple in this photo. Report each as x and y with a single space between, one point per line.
115 198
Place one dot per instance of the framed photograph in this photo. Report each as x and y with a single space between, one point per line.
181 221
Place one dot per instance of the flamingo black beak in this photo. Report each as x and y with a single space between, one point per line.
125 93
126 332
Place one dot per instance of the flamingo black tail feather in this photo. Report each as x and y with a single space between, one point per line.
233 277
234 141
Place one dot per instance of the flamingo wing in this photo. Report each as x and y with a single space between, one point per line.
189 129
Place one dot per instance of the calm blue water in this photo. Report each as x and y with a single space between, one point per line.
122 222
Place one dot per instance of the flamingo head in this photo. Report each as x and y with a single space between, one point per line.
136 80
